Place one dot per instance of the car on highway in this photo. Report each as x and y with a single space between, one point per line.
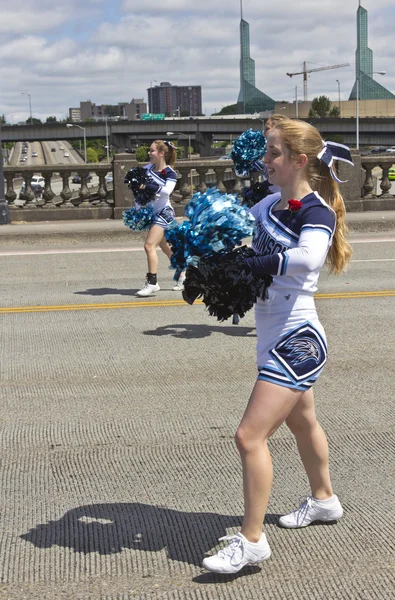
392 149
53 149
61 148
77 178
378 150
109 178
391 174
37 183
66 155
34 154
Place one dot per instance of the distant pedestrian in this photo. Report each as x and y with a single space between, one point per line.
163 156
297 231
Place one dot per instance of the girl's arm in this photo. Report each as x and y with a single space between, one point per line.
309 255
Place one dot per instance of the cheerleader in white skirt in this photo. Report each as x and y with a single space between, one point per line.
298 230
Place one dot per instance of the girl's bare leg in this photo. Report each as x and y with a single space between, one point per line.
164 246
154 238
312 445
268 408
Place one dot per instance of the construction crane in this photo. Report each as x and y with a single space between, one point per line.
305 71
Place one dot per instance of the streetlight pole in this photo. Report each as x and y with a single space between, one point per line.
83 129
338 89
30 106
357 106
108 150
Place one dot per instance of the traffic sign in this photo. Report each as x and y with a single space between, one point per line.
152 117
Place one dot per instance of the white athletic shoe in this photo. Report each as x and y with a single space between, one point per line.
236 555
179 287
148 289
311 510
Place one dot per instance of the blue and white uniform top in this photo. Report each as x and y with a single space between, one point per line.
163 184
292 246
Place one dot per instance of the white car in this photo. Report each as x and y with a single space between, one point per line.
392 149
66 155
108 178
36 183
34 154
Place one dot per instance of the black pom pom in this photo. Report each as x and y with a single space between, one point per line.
225 284
135 178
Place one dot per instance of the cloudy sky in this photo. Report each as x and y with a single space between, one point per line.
108 51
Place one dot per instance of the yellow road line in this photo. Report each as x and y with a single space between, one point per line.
168 303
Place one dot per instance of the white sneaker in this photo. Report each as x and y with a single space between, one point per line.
148 289
179 287
311 510
239 553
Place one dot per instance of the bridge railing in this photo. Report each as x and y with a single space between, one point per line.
368 187
57 200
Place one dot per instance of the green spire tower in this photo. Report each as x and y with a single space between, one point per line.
369 89
250 99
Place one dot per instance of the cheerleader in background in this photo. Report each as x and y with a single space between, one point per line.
163 156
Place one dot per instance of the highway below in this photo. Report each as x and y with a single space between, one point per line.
119 469
49 153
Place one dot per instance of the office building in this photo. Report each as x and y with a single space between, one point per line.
168 99
123 110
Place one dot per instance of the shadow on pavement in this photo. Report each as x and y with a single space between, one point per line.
107 292
184 330
109 528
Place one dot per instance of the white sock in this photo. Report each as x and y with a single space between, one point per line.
327 501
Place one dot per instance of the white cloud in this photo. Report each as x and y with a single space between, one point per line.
86 50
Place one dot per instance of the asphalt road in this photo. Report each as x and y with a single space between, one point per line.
118 468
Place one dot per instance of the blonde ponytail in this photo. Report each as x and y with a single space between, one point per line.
302 138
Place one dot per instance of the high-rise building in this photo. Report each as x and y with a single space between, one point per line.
184 100
250 99
369 89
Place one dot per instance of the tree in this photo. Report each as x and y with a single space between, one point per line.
34 121
91 155
231 109
111 111
2 119
335 137
334 111
322 107
142 154
51 120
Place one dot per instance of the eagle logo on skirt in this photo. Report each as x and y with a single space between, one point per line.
302 349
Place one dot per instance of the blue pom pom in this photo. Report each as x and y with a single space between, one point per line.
249 147
138 219
217 223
